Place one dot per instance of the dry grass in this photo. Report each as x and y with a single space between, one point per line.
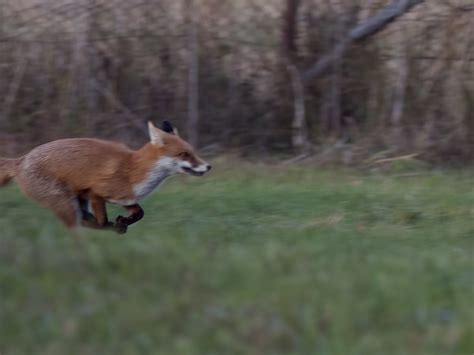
103 67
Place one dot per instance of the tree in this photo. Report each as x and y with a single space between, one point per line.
359 33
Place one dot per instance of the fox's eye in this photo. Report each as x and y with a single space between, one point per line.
184 155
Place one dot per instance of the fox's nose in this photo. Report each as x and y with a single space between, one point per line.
208 167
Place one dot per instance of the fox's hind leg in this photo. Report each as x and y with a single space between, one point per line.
67 211
54 195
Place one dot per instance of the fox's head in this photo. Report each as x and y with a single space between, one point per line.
177 154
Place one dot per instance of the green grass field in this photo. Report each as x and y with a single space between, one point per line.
250 260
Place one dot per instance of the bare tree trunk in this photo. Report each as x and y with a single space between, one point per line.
299 134
360 32
233 98
468 91
399 90
336 75
290 30
344 18
3 27
12 89
193 73
75 86
335 95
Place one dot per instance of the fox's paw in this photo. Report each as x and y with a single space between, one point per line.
121 229
124 221
121 225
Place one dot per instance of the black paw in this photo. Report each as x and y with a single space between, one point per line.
121 225
122 220
120 229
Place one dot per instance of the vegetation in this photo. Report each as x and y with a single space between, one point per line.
251 260
351 78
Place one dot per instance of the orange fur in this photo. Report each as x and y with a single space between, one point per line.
63 173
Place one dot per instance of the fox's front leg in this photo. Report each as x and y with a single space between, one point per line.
136 214
98 218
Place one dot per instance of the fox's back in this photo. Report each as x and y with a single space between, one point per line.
80 162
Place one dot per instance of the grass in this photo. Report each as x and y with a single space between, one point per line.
250 260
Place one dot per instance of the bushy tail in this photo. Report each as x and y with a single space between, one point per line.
8 170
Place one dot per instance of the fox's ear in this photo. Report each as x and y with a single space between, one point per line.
156 134
169 128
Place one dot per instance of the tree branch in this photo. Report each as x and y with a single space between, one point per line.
362 31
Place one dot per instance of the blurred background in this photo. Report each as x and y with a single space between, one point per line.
337 219
318 77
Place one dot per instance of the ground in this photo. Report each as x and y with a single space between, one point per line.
249 260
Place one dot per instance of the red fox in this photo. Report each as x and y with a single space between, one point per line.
76 177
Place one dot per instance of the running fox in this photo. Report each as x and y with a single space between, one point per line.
76 177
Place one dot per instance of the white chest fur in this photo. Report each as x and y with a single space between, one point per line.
162 169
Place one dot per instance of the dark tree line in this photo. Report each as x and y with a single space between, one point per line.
343 80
